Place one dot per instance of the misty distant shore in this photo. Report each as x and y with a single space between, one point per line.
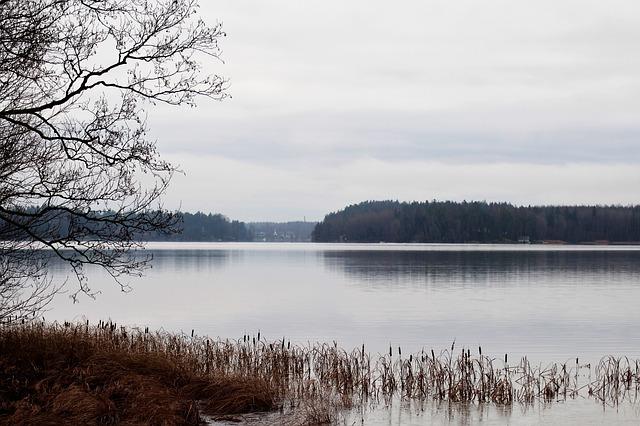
429 222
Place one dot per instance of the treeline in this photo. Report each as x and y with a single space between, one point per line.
205 227
217 227
55 224
465 222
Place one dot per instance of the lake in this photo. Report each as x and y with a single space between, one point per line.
551 303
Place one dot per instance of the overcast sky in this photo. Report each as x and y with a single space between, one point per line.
336 102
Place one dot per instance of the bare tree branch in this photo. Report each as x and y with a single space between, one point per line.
79 179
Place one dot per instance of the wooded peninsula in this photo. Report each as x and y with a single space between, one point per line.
479 222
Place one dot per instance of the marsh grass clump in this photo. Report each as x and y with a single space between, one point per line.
616 379
103 373
81 374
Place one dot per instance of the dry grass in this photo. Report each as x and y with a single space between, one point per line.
72 374
104 374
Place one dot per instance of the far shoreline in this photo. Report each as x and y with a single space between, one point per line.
385 246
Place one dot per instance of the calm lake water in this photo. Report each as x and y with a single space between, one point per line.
552 303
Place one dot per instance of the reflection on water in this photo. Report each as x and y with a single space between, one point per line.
447 270
191 261
550 304
580 412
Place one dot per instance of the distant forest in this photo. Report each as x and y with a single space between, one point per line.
466 222
216 227
205 227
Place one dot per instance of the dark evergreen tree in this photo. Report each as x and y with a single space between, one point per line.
451 222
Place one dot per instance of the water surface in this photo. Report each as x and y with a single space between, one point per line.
548 302
552 303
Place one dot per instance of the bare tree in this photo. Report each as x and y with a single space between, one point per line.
79 178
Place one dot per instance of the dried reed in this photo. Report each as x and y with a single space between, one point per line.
250 374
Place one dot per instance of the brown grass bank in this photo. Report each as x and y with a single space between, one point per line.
77 374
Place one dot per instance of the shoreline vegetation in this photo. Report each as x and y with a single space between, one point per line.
201 227
479 222
416 222
428 222
104 373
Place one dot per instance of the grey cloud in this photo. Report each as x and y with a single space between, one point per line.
260 192
329 137
330 95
